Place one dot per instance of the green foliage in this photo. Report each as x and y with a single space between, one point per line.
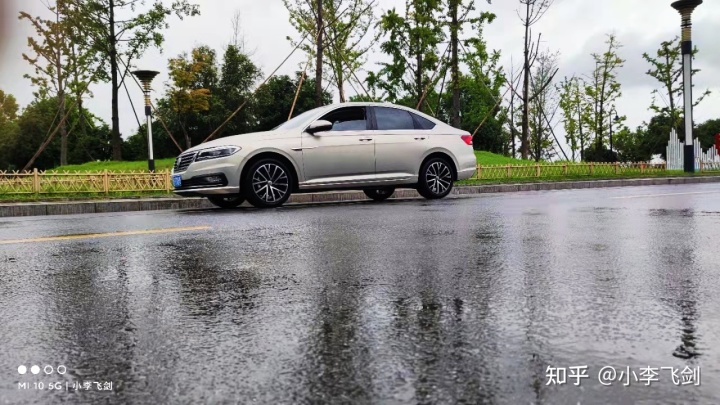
667 69
543 106
274 101
412 42
117 32
576 111
345 38
706 132
604 89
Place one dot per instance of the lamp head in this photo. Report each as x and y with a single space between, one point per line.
686 5
145 76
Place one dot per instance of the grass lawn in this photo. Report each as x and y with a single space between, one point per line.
120 166
483 158
489 158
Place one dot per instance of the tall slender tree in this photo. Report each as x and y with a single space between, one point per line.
533 11
604 88
118 41
341 45
52 61
412 43
666 68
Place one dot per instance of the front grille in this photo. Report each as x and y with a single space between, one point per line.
183 161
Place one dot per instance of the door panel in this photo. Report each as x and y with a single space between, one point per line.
344 154
336 158
399 146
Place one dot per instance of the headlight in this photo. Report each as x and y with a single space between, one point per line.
217 152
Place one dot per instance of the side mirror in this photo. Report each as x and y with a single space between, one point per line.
319 126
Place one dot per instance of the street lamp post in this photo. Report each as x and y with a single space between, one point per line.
686 8
146 77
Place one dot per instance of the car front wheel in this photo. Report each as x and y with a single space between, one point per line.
226 202
379 194
436 179
267 183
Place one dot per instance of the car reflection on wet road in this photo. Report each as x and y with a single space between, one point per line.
462 300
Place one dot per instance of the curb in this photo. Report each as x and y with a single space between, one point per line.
171 203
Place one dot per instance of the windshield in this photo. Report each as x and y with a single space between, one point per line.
297 121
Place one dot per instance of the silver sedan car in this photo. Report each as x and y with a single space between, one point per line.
374 147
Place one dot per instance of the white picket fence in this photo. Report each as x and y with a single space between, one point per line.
703 160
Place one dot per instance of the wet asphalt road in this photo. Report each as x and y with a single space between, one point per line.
461 300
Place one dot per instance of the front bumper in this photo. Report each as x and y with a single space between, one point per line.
210 177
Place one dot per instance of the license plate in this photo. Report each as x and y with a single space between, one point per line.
177 181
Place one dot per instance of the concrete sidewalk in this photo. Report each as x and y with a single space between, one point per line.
174 203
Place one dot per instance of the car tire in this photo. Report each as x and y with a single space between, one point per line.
436 179
226 202
379 194
268 183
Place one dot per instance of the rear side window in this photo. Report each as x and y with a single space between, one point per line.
347 119
422 123
393 119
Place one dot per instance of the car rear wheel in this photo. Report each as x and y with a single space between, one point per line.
267 183
379 194
226 202
436 179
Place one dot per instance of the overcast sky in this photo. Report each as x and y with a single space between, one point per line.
575 28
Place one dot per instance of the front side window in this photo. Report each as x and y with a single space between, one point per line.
389 119
347 119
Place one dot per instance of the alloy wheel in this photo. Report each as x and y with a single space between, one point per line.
438 177
270 183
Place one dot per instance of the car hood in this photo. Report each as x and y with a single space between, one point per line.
240 140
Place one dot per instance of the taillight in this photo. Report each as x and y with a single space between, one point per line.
467 138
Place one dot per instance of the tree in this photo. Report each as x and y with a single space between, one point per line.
9 129
478 96
412 45
455 24
668 70
534 11
576 114
191 82
51 61
604 89
343 42
238 76
117 42
706 132
543 107
273 100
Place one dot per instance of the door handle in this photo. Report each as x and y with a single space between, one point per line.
366 139
420 139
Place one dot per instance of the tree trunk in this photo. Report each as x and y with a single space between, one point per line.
524 142
455 73
112 42
340 85
61 107
580 127
512 120
319 61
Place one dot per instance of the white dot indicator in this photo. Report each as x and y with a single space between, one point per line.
64 369
22 369
46 369
34 369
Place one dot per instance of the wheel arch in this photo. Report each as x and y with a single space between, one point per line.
443 155
274 154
